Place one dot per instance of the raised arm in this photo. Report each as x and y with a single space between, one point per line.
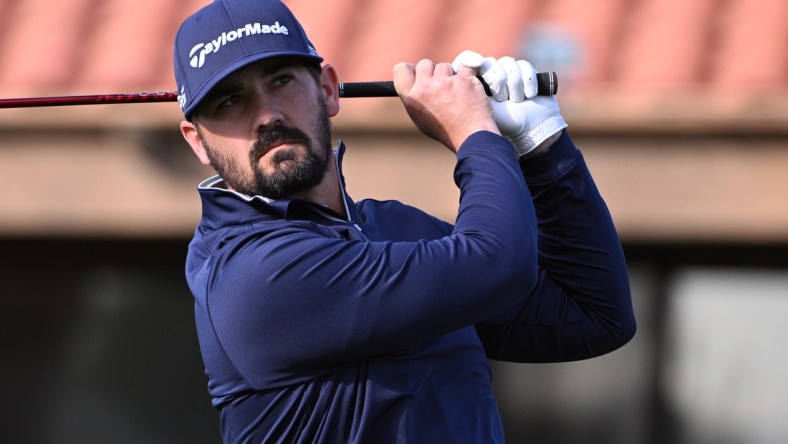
581 306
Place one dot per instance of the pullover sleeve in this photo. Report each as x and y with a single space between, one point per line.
580 306
292 303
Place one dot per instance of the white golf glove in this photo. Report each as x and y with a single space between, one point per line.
522 116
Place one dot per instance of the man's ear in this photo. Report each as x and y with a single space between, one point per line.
189 132
330 83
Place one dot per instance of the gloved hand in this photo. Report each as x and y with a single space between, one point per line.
522 116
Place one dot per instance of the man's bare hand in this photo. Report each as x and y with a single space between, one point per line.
445 106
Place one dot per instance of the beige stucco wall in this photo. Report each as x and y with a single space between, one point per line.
122 170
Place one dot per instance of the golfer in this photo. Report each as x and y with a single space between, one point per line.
324 319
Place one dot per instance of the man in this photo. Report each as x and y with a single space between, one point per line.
323 319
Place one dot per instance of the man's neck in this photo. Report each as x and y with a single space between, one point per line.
328 192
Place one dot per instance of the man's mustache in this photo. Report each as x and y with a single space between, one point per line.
269 138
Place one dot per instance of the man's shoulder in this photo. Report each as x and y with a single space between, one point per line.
395 220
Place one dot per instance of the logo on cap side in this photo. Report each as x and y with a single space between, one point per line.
200 51
182 97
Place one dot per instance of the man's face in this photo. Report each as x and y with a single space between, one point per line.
266 129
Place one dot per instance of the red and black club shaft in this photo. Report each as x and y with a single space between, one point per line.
547 81
98 99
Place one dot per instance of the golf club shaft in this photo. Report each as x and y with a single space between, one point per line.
548 85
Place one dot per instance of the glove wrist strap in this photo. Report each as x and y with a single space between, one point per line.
529 141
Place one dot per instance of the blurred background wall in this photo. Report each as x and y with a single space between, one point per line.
680 107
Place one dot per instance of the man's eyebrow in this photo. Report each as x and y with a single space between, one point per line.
232 83
273 68
223 89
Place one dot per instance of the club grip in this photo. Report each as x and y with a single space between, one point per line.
547 86
367 89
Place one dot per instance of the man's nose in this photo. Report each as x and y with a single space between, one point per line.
268 113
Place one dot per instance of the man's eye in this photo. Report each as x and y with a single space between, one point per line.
283 79
229 101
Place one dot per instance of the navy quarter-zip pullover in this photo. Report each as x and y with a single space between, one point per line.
377 329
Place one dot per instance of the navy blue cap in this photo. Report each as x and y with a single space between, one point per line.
229 34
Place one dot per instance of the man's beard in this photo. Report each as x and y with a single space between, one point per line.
285 180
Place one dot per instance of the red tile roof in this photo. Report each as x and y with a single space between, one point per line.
628 54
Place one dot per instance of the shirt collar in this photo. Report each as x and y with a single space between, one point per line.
216 188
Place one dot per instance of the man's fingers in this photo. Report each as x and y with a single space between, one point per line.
466 71
425 68
514 79
494 75
404 76
443 69
467 59
530 83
